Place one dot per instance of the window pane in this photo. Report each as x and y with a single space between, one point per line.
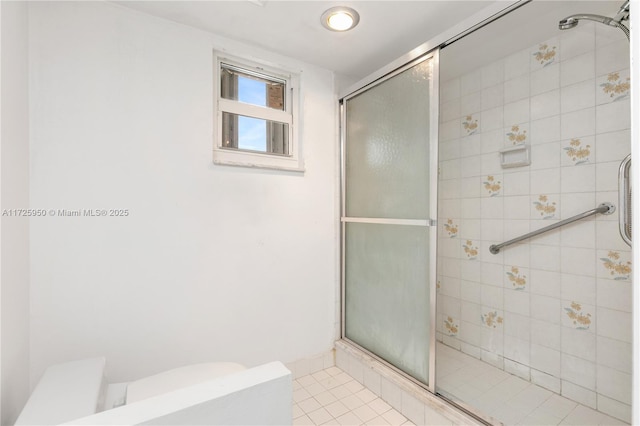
254 134
251 88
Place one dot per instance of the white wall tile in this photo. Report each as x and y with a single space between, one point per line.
492 140
546 334
545 308
517 325
516 207
580 178
545 181
613 116
517 88
614 354
608 235
492 119
545 130
578 96
578 261
545 156
492 74
545 283
517 302
579 371
612 57
470 334
492 208
490 165
580 288
517 369
579 343
449 150
545 105
471 82
606 35
491 296
450 169
577 41
614 324
516 64
518 254
492 229
516 349
549 47
582 235
470 291
491 274
578 123
579 394
470 187
545 79
577 69
390 393
545 257
471 104
545 380
449 130
411 408
607 177
516 112
492 96
450 90
545 359
470 270
469 167
614 384
450 110
613 146
616 295
614 408
517 183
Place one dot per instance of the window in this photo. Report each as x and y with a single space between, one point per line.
256 115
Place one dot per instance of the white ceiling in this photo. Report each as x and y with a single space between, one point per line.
387 29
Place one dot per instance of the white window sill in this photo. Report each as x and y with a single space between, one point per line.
256 160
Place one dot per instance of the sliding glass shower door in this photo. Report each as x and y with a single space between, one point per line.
389 132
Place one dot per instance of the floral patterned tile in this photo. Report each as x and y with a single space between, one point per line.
516 135
577 315
492 318
578 151
470 250
614 265
545 54
450 229
516 278
470 125
492 185
451 326
613 87
545 207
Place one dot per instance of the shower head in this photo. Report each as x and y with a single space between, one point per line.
571 21
567 23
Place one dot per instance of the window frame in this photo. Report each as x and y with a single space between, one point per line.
290 116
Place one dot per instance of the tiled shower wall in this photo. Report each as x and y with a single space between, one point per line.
555 309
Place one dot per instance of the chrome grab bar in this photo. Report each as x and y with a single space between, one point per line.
604 208
624 191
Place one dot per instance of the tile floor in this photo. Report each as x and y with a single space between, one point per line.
332 397
508 398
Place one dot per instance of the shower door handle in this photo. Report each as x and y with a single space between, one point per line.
624 192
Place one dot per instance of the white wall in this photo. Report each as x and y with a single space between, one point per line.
14 243
213 262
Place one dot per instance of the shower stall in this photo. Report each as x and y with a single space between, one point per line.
485 241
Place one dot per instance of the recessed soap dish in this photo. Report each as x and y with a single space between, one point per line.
515 156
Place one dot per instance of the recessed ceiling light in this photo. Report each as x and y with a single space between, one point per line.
340 18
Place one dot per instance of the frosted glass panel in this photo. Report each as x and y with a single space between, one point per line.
387 154
387 293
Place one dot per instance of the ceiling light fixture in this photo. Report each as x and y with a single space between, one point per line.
340 18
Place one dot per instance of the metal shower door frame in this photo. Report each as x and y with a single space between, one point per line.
433 55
